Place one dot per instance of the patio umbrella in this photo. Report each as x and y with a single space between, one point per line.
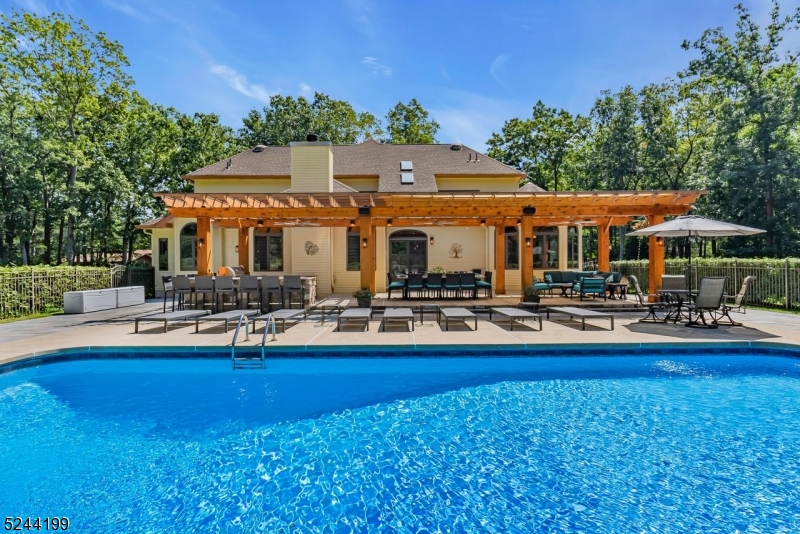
695 226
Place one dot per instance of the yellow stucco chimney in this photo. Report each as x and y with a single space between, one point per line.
312 166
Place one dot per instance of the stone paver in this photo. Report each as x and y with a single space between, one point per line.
104 329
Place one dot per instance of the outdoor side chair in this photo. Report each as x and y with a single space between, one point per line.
271 293
643 300
452 283
486 284
223 285
414 283
434 284
182 288
468 285
293 285
394 285
708 300
735 303
591 285
248 285
204 285
168 288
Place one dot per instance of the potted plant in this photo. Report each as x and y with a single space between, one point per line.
531 294
439 270
364 297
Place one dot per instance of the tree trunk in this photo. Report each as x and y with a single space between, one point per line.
23 250
48 228
59 255
621 230
73 175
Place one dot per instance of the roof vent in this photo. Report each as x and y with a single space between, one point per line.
259 148
406 177
406 166
312 138
455 147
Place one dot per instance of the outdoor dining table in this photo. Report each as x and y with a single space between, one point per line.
682 296
404 279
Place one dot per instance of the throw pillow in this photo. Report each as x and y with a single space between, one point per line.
548 278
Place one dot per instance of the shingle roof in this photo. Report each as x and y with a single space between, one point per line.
165 221
531 187
370 158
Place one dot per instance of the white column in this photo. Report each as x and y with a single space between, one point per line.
580 247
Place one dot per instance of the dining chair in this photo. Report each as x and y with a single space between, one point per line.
434 284
271 293
415 283
293 285
204 285
248 285
168 288
467 285
182 288
223 285
486 284
452 283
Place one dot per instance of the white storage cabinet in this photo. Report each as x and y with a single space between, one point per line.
90 300
129 296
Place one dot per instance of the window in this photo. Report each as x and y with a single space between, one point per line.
189 247
512 247
163 254
545 248
572 247
353 250
408 251
268 250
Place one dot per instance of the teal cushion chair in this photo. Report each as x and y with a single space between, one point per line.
542 286
486 283
396 285
591 285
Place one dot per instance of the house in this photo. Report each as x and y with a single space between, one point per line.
349 214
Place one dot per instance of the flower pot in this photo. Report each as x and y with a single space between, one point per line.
534 298
364 302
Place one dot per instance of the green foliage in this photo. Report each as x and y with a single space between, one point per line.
364 293
287 119
408 124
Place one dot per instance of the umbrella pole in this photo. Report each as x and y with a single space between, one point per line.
689 256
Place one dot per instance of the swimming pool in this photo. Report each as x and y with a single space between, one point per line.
667 440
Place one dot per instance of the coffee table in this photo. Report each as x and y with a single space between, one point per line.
563 286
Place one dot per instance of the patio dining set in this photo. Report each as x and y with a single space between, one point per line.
464 284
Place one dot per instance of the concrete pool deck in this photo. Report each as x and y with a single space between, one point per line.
115 329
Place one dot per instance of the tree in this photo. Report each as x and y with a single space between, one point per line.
67 69
408 124
287 119
753 161
541 146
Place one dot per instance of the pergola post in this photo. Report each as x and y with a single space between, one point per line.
203 246
603 244
655 263
367 235
244 248
500 259
526 246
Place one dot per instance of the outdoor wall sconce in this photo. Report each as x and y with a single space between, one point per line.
527 241
364 242
430 240
483 222
389 222
260 222
201 243
352 222
236 248
659 241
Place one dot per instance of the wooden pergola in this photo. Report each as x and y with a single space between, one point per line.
367 211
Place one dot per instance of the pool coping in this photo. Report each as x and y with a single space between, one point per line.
390 351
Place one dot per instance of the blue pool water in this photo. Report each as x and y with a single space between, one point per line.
667 443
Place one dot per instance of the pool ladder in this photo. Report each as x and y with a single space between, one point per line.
246 361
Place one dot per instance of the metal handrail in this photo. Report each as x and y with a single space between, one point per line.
270 319
236 335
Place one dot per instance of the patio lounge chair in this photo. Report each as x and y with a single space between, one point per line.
708 300
225 317
169 317
735 303
644 302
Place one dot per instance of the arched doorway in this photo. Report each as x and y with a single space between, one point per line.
408 251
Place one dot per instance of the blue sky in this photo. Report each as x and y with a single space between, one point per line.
472 66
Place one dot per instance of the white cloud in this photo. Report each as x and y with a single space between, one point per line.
497 67
240 84
362 11
34 6
376 67
306 89
126 8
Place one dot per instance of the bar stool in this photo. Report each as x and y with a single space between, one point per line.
271 287
223 285
292 285
182 288
204 285
247 286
